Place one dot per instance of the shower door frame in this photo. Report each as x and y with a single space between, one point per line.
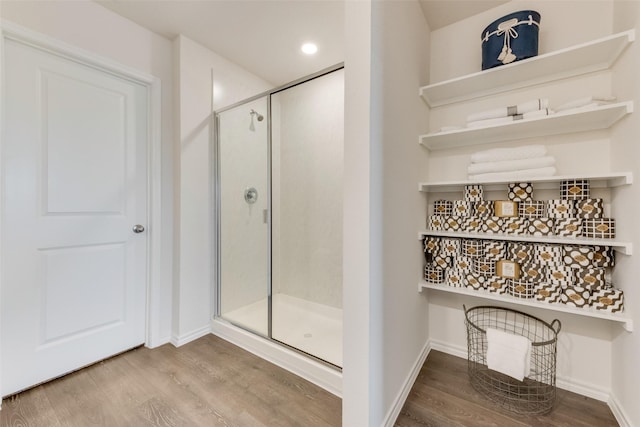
217 202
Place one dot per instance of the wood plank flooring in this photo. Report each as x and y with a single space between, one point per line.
210 382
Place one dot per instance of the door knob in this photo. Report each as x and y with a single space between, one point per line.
138 228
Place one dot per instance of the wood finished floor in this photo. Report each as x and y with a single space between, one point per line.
210 382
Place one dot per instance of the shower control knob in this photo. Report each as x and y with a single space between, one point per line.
138 228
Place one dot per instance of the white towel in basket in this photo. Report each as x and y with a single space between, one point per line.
508 353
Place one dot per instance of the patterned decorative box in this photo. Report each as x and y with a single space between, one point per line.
432 244
576 189
472 224
433 274
484 267
473 193
463 264
575 296
516 226
560 275
531 209
590 278
442 261
505 208
611 300
589 208
568 227
495 250
602 256
462 208
472 248
450 246
547 292
475 281
541 226
520 191
532 272
452 223
521 252
547 254
507 269
492 225
560 209
455 277
436 222
577 256
483 209
443 207
497 285
521 288
599 228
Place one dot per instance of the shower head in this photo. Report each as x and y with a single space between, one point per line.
259 116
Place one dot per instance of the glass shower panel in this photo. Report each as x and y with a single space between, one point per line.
307 175
243 203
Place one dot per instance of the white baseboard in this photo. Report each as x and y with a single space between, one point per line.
315 372
401 398
191 336
618 412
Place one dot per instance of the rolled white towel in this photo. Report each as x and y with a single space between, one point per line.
514 175
581 102
511 165
504 120
499 154
525 107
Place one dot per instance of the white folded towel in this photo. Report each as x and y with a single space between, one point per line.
581 102
500 154
514 175
525 107
504 120
508 353
511 165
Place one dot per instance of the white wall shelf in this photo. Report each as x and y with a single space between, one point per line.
561 123
608 180
627 322
596 55
625 248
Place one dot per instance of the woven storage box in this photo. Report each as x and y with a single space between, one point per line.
547 292
455 277
432 244
531 209
589 208
463 263
602 256
463 208
443 207
541 226
575 296
576 189
450 246
521 252
475 281
577 256
473 193
505 208
452 223
520 191
492 225
521 288
494 250
568 227
507 269
497 285
510 38
472 224
484 267
483 209
560 275
560 209
516 226
472 248
442 261
532 272
590 278
433 274
547 254
599 228
436 222
611 300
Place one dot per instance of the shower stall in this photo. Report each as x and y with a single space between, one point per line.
279 170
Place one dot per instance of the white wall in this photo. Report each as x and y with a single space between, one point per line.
307 189
193 297
91 27
583 343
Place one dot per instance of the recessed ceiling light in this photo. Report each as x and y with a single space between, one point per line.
309 48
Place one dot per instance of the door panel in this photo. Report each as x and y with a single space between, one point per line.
75 180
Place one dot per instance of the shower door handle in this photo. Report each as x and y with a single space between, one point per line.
265 216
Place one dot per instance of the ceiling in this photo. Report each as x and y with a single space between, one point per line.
264 36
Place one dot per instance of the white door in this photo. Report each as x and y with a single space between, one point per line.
74 174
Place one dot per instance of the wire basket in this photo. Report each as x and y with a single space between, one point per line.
536 394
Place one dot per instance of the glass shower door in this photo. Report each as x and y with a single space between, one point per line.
243 226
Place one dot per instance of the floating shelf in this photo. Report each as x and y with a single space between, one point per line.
556 124
625 248
608 180
584 58
627 323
